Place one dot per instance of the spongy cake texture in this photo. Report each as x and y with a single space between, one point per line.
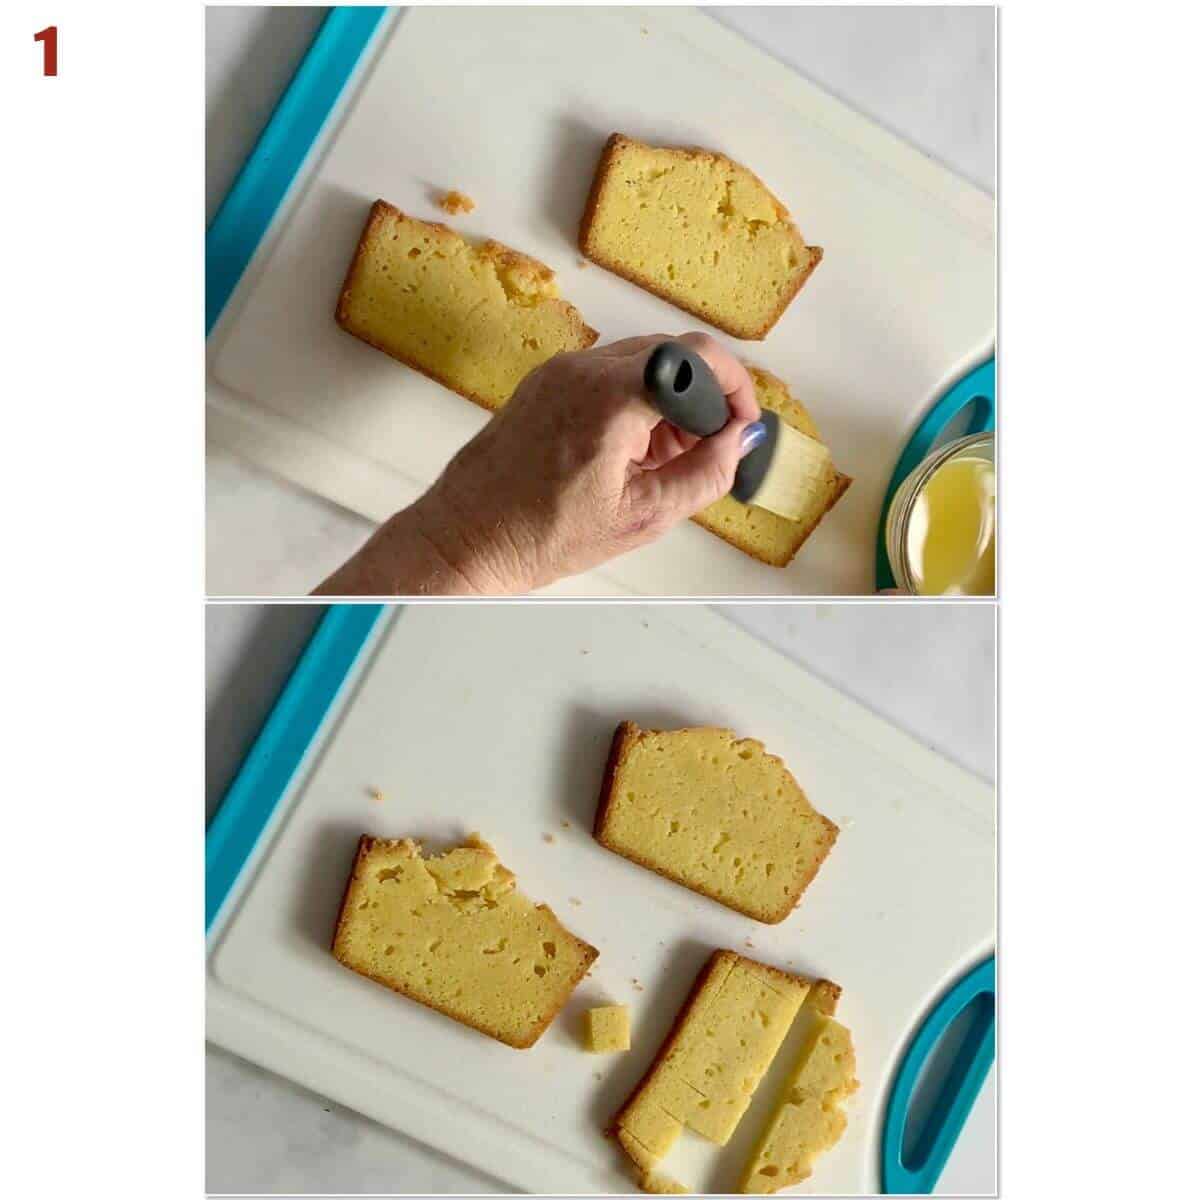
713 812
707 1070
453 932
697 229
809 1118
477 318
756 531
607 1028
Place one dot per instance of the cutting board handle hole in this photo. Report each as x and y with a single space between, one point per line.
940 1079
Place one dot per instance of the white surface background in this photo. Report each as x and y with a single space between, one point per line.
928 668
928 74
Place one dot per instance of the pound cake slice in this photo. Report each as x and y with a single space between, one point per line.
453 933
809 1118
712 1060
762 534
697 229
475 318
713 812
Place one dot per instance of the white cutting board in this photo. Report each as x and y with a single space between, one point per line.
901 907
512 106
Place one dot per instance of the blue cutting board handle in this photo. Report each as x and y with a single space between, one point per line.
978 387
957 1094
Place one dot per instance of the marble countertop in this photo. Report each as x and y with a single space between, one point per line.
928 668
926 73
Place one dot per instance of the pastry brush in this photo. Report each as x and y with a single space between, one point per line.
782 473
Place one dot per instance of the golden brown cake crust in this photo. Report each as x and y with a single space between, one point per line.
618 141
380 211
590 953
623 741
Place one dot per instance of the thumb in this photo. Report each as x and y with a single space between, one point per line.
692 480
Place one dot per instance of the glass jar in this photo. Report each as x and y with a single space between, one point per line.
941 524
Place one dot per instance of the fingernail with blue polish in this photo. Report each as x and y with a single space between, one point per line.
753 436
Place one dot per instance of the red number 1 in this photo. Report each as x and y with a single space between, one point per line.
49 39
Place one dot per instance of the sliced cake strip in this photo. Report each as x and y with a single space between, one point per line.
762 534
713 812
476 318
809 1118
452 932
697 229
710 1064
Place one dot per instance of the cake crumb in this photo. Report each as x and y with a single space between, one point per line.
749 944
548 838
566 824
375 794
581 262
575 900
456 202
597 1076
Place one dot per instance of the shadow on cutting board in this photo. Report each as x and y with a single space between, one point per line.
328 859
575 147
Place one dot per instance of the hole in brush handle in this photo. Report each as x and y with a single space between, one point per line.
681 385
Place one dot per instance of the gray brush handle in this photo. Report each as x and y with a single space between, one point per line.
681 385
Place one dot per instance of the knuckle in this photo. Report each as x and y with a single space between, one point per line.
703 343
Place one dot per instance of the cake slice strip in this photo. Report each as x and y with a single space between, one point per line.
711 1062
809 1118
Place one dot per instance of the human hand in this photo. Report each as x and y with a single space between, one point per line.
578 468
